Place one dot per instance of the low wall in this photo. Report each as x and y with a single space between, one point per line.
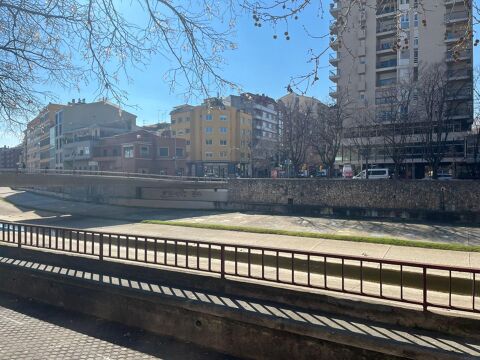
449 200
239 333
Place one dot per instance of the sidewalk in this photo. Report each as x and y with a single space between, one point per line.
127 222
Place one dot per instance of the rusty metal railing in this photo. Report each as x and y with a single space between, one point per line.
427 285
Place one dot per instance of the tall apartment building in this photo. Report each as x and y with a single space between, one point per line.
39 141
218 138
265 129
380 43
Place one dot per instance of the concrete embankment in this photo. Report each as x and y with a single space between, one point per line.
250 320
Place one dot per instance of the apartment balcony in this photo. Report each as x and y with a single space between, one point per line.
334 59
386 28
387 65
454 2
333 27
459 74
334 75
453 36
456 16
385 47
458 114
334 42
334 8
460 94
386 82
387 10
333 91
459 56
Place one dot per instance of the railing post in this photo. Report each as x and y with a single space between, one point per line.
424 289
101 247
222 261
19 235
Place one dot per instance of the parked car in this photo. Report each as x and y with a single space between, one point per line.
374 174
347 171
441 176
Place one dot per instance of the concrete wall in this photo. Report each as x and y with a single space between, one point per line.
367 197
239 333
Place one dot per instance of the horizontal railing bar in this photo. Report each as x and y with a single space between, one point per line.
265 248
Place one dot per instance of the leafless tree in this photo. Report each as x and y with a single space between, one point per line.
362 134
328 127
395 128
435 113
74 42
473 138
297 120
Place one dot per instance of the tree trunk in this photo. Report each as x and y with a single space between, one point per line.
366 167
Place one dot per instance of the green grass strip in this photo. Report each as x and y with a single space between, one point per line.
353 238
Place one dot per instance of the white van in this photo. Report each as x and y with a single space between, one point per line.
374 174
347 171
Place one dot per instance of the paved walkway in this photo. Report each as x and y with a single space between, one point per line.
123 220
359 332
30 330
469 235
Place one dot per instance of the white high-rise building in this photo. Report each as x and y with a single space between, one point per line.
381 43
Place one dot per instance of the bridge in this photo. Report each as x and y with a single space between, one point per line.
249 301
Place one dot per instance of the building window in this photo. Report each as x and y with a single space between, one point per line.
179 120
223 130
105 152
163 152
208 154
208 117
187 131
208 130
223 142
188 142
223 154
404 22
128 152
223 118
208 141
144 151
173 121
179 152
115 152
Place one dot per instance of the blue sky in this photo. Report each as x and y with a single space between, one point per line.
260 65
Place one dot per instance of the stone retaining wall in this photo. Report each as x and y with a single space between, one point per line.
456 196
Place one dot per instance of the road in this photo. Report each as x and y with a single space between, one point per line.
30 330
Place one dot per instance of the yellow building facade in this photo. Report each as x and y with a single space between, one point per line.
218 138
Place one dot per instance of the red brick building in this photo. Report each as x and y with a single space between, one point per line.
141 151
10 157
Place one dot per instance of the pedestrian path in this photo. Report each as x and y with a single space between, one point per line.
33 331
